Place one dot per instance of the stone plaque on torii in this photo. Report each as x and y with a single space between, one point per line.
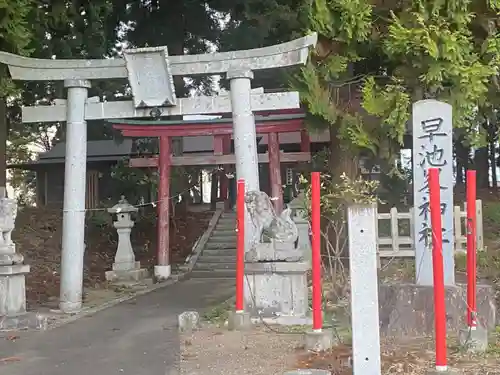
149 71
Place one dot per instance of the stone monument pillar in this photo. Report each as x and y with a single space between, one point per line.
432 147
12 269
275 270
75 168
125 268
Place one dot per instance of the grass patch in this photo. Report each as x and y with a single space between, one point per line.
488 265
219 313
491 220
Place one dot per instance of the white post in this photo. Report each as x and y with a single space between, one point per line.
73 245
245 136
361 223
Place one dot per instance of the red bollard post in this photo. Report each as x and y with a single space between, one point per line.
471 250
437 264
316 252
240 246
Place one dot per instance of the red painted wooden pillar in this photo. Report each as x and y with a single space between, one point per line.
163 251
224 184
220 146
275 172
305 141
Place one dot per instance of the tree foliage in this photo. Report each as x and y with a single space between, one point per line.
374 58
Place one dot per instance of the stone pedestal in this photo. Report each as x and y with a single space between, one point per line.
277 292
13 290
12 273
125 268
408 309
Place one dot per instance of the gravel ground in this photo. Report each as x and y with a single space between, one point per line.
258 352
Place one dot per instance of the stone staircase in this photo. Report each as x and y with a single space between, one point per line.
218 257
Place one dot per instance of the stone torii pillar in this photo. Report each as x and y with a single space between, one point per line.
75 171
245 136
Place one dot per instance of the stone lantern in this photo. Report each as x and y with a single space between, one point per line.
125 268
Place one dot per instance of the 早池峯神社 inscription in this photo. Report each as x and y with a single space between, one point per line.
432 148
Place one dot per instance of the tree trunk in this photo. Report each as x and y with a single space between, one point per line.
460 162
493 164
482 167
341 160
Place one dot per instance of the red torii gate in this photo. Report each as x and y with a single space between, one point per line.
271 123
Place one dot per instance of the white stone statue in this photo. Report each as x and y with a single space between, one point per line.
12 269
8 214
275 237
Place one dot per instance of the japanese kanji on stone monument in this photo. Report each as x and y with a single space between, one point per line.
432 148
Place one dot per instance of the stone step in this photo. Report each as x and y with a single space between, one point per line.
224 232
224 239
228 217
213 245
218 252
219 266
225 274
206 258
225 228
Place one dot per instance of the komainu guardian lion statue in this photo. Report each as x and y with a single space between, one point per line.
275 237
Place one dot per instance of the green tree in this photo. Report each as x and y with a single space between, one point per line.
15 37
374 58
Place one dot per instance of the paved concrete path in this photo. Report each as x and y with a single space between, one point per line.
133 338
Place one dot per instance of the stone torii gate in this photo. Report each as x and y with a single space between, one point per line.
149 72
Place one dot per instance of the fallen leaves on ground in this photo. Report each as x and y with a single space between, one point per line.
38 236
9 359
409 357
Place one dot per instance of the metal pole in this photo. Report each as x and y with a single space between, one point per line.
316 252
438 272
471 250
75 168
240 247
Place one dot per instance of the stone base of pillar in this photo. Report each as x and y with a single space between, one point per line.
319 341
277 291
406 310
127 275
239 321
26 321
473 340
162 272
13 290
